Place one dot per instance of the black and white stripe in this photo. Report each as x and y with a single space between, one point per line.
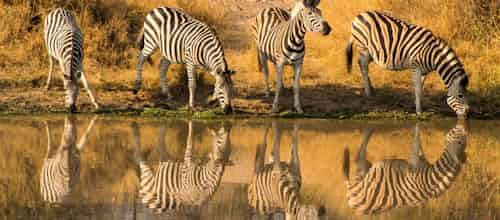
280 38
64 42
61 168
181 186
185 40
275 186
395 183
397 45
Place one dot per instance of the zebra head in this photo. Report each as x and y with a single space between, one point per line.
223 90
456 142
457 96
70 80
313 20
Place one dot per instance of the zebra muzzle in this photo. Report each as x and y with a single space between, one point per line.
326 29
228 109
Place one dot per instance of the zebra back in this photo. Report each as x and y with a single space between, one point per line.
183 186
398 183
396 44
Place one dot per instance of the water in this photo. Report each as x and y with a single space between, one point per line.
107 168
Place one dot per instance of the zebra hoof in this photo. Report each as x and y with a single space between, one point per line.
47 88
299 110
72 109
135 91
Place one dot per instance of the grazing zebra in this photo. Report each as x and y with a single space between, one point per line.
181 187
280 38
186 40
61 168
275 187
64 42
396 45
395 183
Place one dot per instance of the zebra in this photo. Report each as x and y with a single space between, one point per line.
280 38
275 187
395 183
181 187
61 167
185 40
397 45
64 42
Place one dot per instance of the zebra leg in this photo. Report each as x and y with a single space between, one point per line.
294 157
297 68
83 139
141 58
417 157
364 61
188 155
279 85
49 139
89 92
261 152
191 84
51 70
417 83
275 153
362 164
162 68
265 71
161 143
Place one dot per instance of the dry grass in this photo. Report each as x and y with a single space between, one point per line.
472 27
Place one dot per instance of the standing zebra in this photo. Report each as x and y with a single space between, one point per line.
275 187
180 187
396 45
395 183
280 38
61 168
64 42
186 40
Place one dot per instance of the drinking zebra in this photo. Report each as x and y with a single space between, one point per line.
395 183
181 187
64 42
275 186
61 168
280 38
185 40
397 45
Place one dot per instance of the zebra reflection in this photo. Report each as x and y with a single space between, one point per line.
395 183
275 187
181 187
61 168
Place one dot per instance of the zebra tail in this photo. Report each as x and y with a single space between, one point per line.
349 55
345 164
140 45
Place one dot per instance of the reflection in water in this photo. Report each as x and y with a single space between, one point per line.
397 183
61 168
275 186
181 187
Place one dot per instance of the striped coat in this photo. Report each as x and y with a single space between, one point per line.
394 44
64 42
185 40
396 183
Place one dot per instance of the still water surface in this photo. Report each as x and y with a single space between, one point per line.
82 167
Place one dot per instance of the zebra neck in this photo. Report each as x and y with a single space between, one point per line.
296 30
447 65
